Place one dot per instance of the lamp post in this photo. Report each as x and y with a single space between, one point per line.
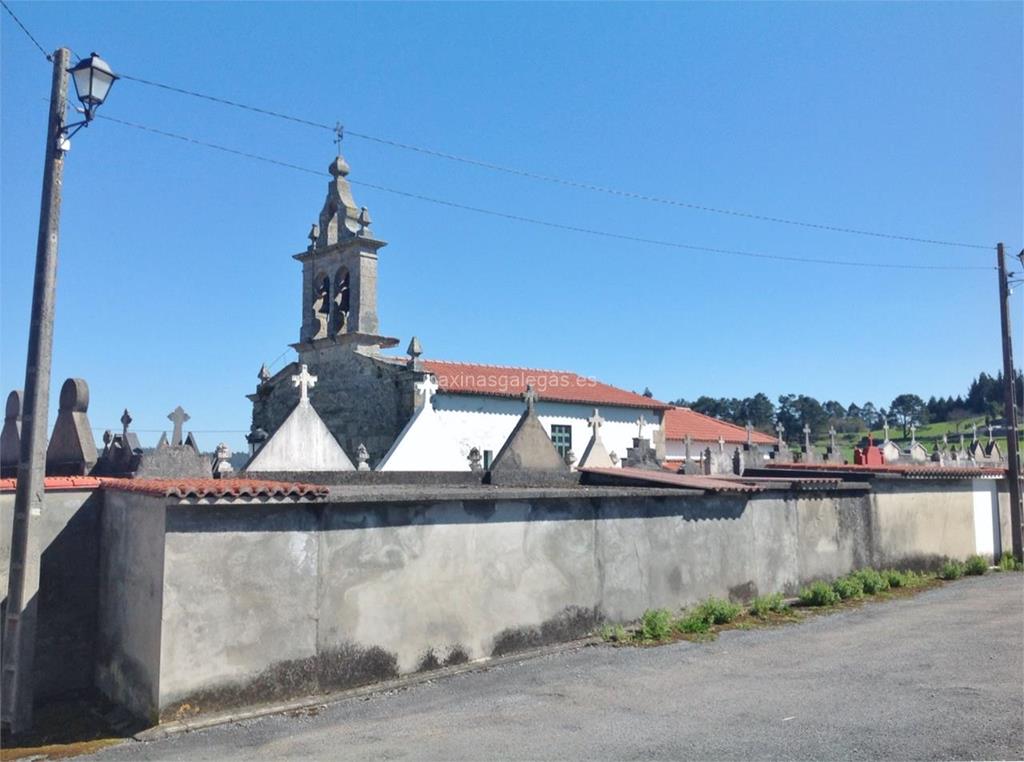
93 79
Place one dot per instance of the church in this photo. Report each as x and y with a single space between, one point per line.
371 401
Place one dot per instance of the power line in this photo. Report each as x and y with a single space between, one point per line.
554 179
49 56
539 222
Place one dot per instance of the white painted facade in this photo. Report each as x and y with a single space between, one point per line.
425 444
302 443
485 421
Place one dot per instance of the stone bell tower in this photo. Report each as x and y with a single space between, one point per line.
339 275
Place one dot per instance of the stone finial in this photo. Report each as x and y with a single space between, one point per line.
913 434
108 437
364 222
314 236
339 167
750 434
640 423
615 458
687 441
885 428
425 389
10 437
807 437
961 440
362 458
222 461
415 348
781 431
530 397
832 437
178 417
72 449
945 440
126 419
475 459
305 381
264 374
414 351
974 432
988 431
570 457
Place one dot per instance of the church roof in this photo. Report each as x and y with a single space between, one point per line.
550 385
680 421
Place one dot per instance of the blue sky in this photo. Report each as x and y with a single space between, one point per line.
176 279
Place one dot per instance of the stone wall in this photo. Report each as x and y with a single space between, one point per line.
68 531
265 602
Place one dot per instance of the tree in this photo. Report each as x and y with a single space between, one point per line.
870 415
909 409
835 410
758 410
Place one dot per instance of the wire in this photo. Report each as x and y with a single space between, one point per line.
49 56
539 222
554 179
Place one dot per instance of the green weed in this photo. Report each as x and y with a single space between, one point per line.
951 570
871 581
656 624
848 587
764 605
975 566
819 594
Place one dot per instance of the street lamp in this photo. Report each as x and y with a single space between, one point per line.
93 79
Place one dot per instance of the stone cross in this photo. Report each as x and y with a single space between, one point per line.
721 443
782 430
974 432
913 434
530 396
640 423
427 388
885 427
178 417
961 440
305 381
989 430
126 418
832 438
595 421
686 451
945 440
807 437
750 434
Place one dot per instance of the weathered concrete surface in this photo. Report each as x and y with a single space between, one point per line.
933 677
302 440
253 603
68 583
131 594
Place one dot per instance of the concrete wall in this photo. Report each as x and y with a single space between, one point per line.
131 592
265 602
68 584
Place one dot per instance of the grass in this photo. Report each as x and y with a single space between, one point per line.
1008 563
975 566
713 615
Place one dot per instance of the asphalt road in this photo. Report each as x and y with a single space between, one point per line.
938 676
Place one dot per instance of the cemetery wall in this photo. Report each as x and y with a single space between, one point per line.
68 531
263 602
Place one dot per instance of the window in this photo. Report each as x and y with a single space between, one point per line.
488 458
561 435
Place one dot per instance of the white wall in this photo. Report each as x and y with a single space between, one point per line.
486 422
675 449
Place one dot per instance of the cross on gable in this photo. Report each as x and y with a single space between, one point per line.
305 381
126 418
781 429
885 427
721 443
750 433
832 436
913 433
595 420
530 396
427 388
178 417
640 423
974 431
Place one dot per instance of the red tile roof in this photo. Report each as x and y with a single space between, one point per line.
217 488
680 421
662 478
909 471
56 483
552 385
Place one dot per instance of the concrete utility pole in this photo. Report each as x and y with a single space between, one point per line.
23 584
1010 403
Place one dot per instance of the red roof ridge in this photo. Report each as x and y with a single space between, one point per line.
501 367
217 488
